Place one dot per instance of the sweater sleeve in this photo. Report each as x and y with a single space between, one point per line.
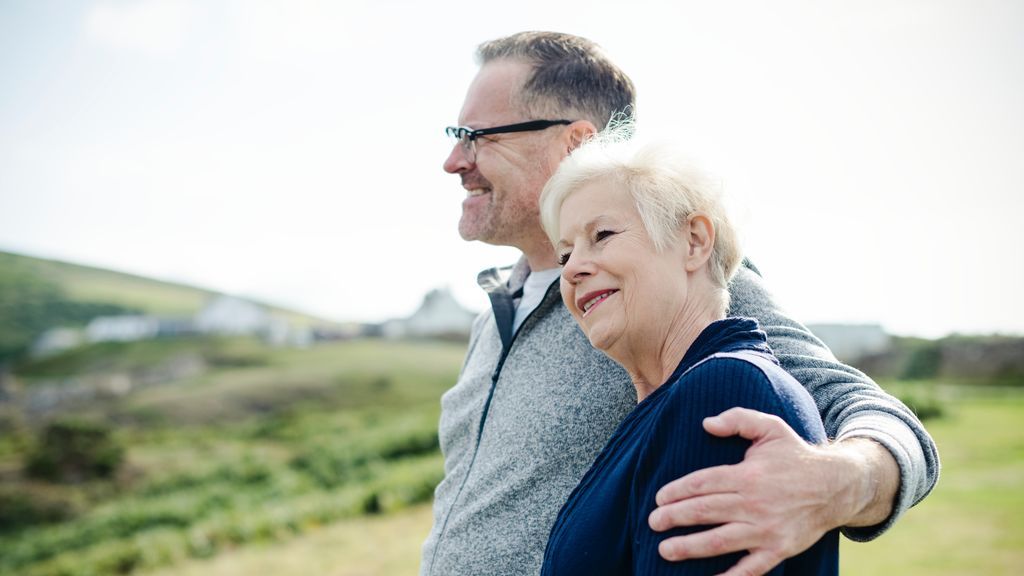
679 445
850 403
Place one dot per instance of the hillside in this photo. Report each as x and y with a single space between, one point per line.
37 294
261 445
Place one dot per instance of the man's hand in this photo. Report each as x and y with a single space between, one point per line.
779 500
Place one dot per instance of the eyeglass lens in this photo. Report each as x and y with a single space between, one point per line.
461 135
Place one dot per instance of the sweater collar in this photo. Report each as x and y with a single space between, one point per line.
728 335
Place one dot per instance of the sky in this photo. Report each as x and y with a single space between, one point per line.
291 151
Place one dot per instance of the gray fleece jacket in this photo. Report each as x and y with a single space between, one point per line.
532 410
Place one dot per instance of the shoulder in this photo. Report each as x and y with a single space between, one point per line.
749 380
722 380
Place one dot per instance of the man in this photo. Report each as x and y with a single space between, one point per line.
535 402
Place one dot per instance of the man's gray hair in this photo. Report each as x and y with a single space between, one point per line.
666 188
572 78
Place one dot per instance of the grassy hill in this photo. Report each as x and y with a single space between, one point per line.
37 294
265 445
117 457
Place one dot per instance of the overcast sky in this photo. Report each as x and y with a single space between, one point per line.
291 151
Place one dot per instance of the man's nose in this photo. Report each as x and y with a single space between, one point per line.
458 160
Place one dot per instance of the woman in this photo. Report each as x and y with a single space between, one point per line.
647 252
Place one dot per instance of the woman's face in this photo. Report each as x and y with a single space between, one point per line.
622 292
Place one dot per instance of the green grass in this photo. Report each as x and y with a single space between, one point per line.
95 285
111 357
362 546
355 375
281 461
247 453
158 297
88 284
973 522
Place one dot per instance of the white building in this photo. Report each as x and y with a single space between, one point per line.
440 315
280 333
232 316
852 341
56 340
127 328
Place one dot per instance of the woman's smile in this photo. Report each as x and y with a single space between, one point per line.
591 300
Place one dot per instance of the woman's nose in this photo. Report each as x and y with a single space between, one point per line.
576 268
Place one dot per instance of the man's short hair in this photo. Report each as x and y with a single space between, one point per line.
572 77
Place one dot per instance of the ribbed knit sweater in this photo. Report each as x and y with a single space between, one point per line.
603 529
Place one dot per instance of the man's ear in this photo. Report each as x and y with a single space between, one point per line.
699 234
577 134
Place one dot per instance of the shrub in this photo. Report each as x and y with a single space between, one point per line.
72 450
923 363
925 405
922 398
23 507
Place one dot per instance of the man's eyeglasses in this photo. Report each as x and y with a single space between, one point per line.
467 136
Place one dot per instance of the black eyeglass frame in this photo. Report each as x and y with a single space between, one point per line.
470 135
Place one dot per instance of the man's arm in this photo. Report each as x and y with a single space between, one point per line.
850 403
780 499
882 460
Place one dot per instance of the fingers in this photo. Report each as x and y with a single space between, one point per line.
749 424
717 479
711 509
754 564
714 542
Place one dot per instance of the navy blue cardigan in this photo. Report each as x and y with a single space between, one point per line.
602 528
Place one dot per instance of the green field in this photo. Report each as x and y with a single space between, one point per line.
264 446
88 284
323 460
972 523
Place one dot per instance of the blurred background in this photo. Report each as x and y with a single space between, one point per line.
232 288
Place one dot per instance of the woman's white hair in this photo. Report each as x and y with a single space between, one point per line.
665 185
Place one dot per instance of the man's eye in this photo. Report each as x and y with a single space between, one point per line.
602 234
563 258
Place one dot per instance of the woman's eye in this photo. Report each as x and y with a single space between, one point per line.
563 258
602 234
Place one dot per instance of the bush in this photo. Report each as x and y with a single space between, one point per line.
925 406
923 363
23 507
72 450
922 398
331 465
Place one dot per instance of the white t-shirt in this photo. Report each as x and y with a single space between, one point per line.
534 289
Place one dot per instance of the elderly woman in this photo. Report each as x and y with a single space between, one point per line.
647 252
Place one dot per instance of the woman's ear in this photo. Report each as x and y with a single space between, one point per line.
699 234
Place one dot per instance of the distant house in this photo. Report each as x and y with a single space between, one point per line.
127 328
174 327
56 340
852 341
279 332
222 316
440 315
228 315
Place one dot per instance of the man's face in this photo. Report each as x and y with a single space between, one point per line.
504 183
